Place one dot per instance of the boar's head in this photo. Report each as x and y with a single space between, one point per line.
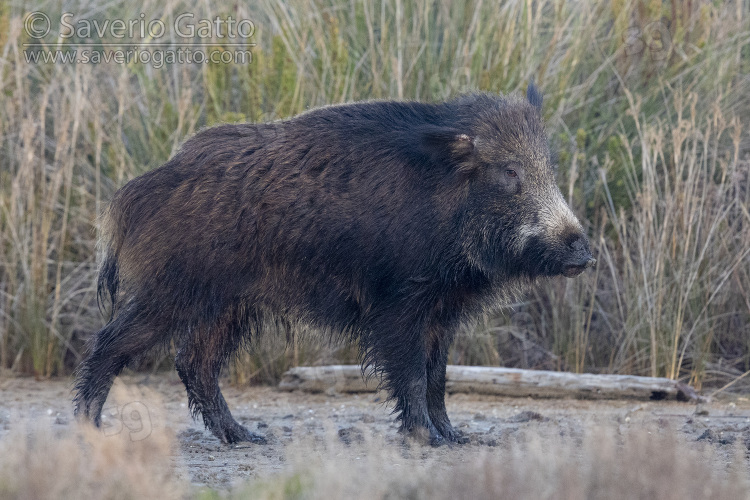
514 219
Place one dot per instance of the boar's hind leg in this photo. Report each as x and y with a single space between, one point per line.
115 345
199 360
436 364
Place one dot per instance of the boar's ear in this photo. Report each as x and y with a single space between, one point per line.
447 144
534 96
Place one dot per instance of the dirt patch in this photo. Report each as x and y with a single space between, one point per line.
141 405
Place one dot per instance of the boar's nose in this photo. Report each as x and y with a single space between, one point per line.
578 259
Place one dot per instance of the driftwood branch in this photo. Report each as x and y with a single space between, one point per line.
500 382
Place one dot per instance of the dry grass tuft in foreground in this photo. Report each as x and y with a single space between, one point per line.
638 464
653 463
41 464
130 457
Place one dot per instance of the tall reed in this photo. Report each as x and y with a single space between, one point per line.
646 104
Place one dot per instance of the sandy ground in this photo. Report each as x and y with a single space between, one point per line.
141 405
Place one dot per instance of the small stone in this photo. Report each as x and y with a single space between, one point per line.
707 435
350 434
527 416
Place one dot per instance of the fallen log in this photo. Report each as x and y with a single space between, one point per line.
496 381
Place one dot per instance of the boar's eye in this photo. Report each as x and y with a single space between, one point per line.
511 173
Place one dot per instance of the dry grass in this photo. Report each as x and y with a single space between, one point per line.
669 290
41 464
636 464
132 459
654 151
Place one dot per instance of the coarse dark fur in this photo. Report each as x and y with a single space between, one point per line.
392 222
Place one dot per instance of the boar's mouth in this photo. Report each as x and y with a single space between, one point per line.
573 270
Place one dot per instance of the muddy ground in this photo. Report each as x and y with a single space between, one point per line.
141 405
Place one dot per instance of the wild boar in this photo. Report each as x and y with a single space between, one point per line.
394 223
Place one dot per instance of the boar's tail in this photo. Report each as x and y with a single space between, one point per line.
110 242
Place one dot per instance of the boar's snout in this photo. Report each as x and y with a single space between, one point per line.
579 258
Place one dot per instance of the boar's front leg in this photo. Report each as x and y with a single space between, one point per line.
400 352
436 365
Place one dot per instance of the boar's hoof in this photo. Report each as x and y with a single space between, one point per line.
456 437
238 434
451 435
437 440
423 435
